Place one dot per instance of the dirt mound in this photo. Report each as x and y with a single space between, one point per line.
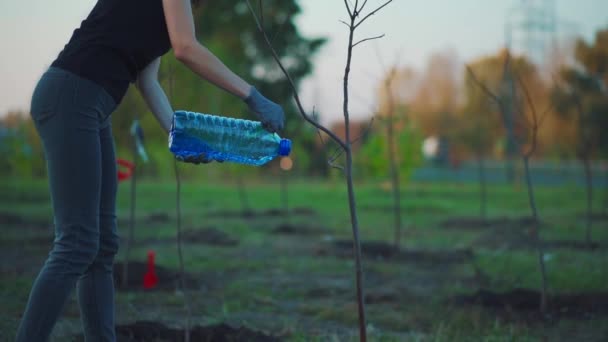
475 223
526 302
570 244
297 229
518 238
385 251
167 278
594 216
11 219
209 236
429 209
272 212
303 211
159 217
248 214
382 297
146 331
154 331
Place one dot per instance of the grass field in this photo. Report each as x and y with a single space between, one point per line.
298 283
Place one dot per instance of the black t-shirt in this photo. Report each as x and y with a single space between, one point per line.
115 42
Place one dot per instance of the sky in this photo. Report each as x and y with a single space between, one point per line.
33 32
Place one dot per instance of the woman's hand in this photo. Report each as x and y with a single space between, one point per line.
269 113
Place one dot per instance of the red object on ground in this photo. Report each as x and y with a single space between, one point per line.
150 278
126 171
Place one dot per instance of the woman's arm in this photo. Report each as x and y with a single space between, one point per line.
180 24
154 95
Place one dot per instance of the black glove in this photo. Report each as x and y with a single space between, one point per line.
200 159
269 113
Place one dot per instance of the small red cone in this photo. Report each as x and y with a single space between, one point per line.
150 278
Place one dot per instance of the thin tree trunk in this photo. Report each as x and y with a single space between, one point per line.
606 194
284 196
356 245
392 157
351 192
392 150
537 239
125 265
589 183
509 122
245 208
178 214
482 188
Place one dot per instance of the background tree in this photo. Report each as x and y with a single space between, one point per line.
581 96
527 121
394 147
437 97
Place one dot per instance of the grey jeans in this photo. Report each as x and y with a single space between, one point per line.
72 117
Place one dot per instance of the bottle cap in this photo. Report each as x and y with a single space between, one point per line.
284 147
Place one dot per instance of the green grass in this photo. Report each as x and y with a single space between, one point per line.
290 285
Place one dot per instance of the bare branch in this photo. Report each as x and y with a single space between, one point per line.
350 13
372 13
292 84
336 166
335 155
484 87
261 12
318 131
255 17
339 151
534 127
523 120
366 39
365 132
544 114
524 88
507 64
362 7
345 23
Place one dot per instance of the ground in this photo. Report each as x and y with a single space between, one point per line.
262 276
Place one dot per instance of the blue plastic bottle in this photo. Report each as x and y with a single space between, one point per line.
224 139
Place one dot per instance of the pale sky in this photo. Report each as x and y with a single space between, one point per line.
33 32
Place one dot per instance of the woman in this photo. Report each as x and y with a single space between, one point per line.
121 41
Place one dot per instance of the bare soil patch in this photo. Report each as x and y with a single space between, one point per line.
159 217
475 223
209 236
384 251
521 303
11 219
146 331
298 229
272 212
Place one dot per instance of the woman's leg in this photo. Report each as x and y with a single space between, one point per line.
96 286
69 130
73 153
